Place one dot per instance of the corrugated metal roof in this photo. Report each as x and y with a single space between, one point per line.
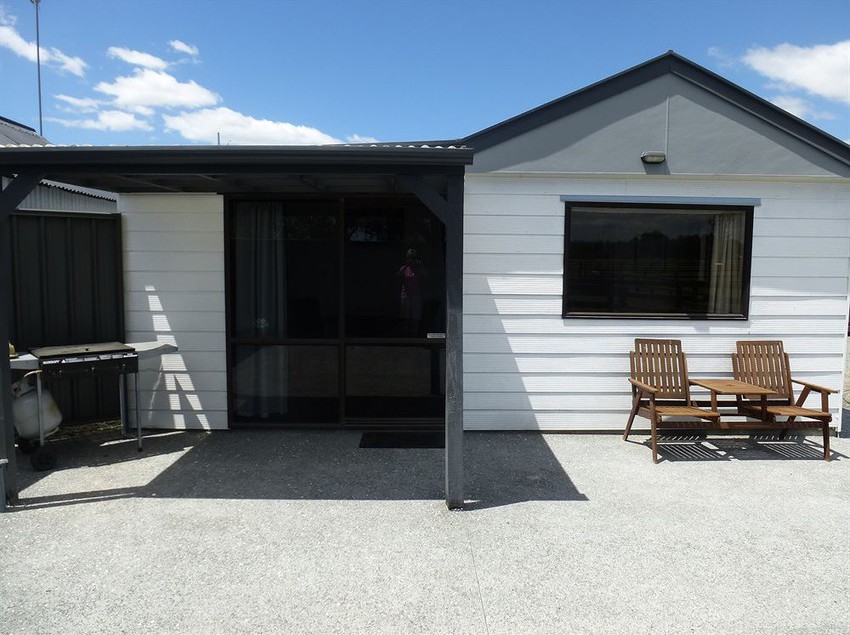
16 135
53 196
85 191
55 199
13 133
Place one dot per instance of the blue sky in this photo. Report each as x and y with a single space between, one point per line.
278 71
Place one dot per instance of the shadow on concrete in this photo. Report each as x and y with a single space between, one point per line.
755 447
501 468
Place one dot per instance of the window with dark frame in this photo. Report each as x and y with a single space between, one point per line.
673 261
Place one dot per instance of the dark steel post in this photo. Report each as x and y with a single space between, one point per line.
450 211
11 480
454 342
10 198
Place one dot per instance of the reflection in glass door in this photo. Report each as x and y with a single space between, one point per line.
394 296
333 310
401 381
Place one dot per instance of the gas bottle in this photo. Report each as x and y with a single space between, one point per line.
25 409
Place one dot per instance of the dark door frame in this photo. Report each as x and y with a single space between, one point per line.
342 339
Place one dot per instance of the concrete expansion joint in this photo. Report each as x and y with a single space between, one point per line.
477 581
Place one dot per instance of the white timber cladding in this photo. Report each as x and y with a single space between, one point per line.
526 367
174 293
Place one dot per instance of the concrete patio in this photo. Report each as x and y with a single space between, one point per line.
306 533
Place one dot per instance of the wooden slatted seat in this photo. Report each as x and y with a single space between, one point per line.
797 411
660 388
765 363
680 411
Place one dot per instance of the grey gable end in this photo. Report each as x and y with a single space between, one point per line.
705 124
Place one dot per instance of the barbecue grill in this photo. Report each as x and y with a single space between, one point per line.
86 360
89 360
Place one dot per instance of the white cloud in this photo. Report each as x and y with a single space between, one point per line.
822 70
7 18
137 58
145 111
182 47
148 88
12 40
724 59
356 138
108 120
80 104
238 129
801 108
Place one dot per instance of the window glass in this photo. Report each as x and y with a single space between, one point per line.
631 261
285 268
395 381
274 384
394 270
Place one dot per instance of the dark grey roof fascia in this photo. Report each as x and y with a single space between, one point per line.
16 123
112 159
670 62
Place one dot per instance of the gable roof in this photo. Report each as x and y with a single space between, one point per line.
13 133
668 63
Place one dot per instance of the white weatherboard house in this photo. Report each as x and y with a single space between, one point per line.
750 204
495 282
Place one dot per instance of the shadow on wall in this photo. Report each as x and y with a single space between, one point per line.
501 468
170 388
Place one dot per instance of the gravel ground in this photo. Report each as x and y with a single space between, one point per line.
273 532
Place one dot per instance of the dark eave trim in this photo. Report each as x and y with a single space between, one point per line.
668 63
176 158
179 168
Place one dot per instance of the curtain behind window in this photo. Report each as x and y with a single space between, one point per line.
260 268
727 263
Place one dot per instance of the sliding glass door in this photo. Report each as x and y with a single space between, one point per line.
394 280
284 311
336 311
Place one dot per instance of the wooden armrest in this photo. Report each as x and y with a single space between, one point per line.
652 390
814 387
807 390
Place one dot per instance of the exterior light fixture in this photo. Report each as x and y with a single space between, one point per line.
653 156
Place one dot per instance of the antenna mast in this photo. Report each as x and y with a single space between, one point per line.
38 65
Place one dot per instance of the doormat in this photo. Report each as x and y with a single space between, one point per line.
420 439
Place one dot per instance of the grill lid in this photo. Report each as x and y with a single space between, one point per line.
53 352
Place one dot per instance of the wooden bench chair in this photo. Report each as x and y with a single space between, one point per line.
765 363
659 378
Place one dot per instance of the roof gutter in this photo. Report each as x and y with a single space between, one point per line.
173 158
